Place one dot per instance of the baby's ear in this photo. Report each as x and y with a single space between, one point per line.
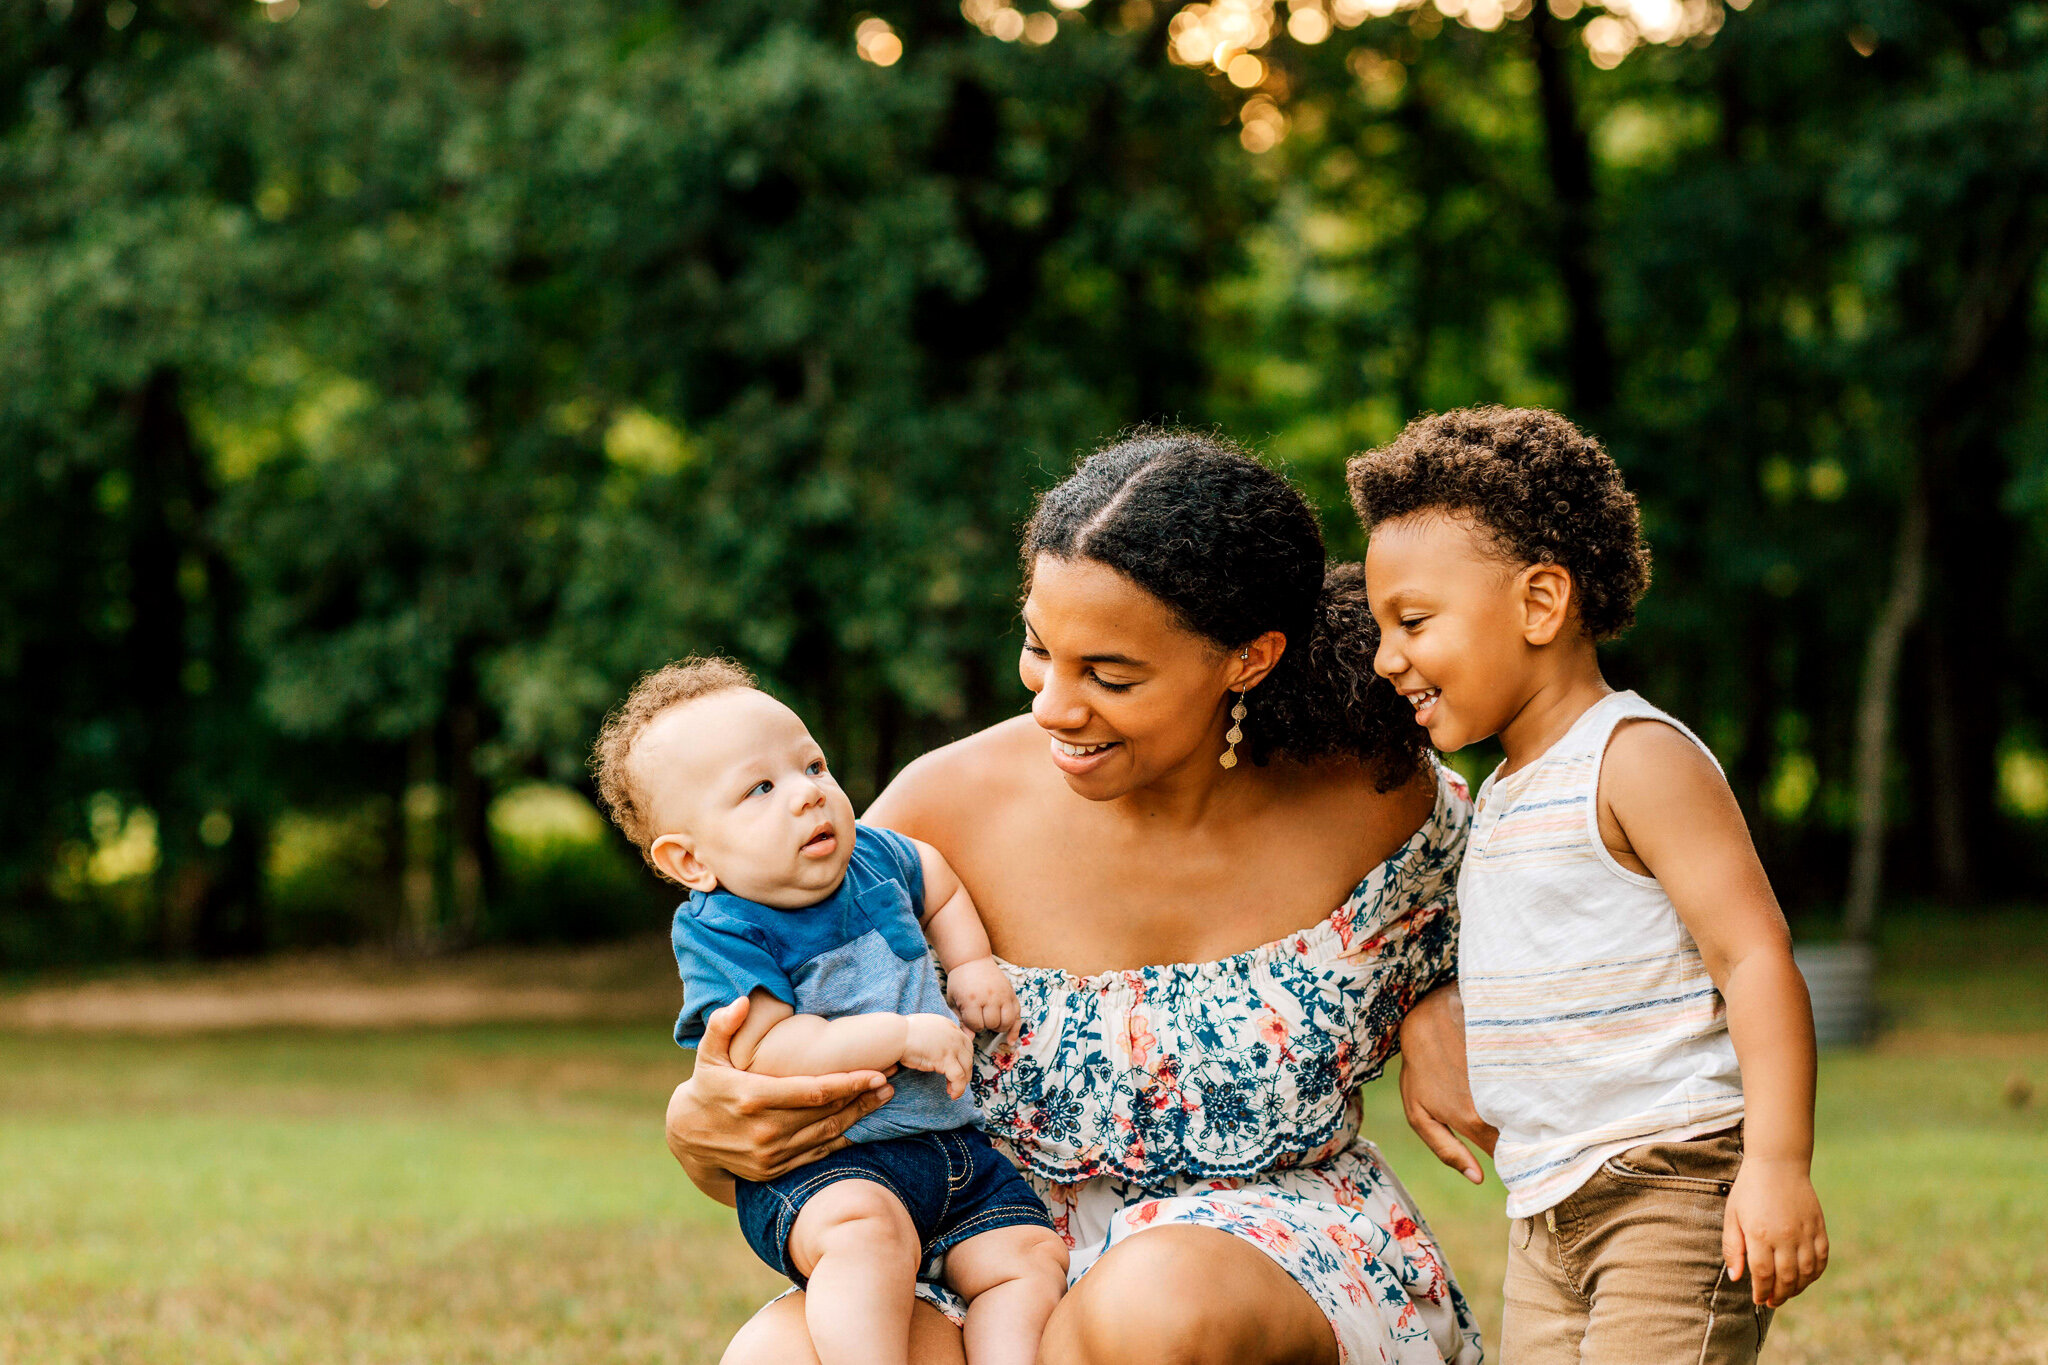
672 855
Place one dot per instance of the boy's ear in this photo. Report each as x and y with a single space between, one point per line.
1548 596
677 861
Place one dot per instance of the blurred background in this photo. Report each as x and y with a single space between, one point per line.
384 384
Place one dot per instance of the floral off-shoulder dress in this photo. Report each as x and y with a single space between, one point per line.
1222 1094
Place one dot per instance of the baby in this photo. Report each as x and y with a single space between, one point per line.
1635 1027
814 919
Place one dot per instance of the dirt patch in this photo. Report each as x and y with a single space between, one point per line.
614 983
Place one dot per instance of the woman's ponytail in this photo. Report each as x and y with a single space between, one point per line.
1325 698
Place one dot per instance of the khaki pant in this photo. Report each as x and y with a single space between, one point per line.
1627 1270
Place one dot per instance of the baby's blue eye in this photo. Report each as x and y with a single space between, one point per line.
762 789
817 768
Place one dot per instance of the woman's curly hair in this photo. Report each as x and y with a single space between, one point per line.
1544 490
1234 551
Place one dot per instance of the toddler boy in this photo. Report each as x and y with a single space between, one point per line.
1635 1027
814 919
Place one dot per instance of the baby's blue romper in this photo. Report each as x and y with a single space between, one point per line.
858 951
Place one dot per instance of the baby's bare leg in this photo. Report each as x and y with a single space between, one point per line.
1011 1278
779 1335
855 1244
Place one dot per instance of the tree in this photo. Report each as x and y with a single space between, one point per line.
509 353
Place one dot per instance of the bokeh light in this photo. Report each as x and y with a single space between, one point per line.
1265 124
876 41
997 18
1308 25
1225 36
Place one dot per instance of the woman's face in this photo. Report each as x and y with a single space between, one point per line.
1125 693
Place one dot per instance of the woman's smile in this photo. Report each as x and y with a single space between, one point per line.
1076 759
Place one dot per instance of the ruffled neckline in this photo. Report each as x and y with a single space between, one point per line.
1331 936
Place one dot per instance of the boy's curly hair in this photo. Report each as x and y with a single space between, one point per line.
1545 491
610 758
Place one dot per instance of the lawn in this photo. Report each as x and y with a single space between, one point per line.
501 1194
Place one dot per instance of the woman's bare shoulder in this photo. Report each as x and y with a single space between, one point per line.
1346 796
958 779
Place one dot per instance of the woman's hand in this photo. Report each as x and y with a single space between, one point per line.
1435 1091
725 1122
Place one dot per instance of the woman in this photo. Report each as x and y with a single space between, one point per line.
1209 767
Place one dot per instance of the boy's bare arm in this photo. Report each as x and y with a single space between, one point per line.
976 985
777 1041
1672 810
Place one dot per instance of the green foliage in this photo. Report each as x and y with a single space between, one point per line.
1818 275
516 351
383 388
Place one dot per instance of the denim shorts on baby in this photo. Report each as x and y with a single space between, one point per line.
954 1185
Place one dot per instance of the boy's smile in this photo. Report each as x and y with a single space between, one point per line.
1424 701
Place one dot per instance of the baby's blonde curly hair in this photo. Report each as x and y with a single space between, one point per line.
611 757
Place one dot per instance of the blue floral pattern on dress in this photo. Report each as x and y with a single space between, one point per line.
1222 1094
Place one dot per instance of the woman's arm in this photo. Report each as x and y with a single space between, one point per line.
1436 1093
725 1122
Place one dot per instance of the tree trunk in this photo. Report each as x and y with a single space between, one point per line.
1874 715
419 814
469 826
1971 542
1589 363
1415 116
888 739
160 514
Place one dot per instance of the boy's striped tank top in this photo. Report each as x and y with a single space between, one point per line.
1591 1025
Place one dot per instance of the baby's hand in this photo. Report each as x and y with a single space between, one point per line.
982 994
935 1043
1773 1227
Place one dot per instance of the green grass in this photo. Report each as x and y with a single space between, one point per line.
474 1195
502 1194
1968 974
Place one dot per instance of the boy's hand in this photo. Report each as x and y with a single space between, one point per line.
935 1043
982 994
1773 1228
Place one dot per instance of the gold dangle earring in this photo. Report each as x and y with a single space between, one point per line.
1235 734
